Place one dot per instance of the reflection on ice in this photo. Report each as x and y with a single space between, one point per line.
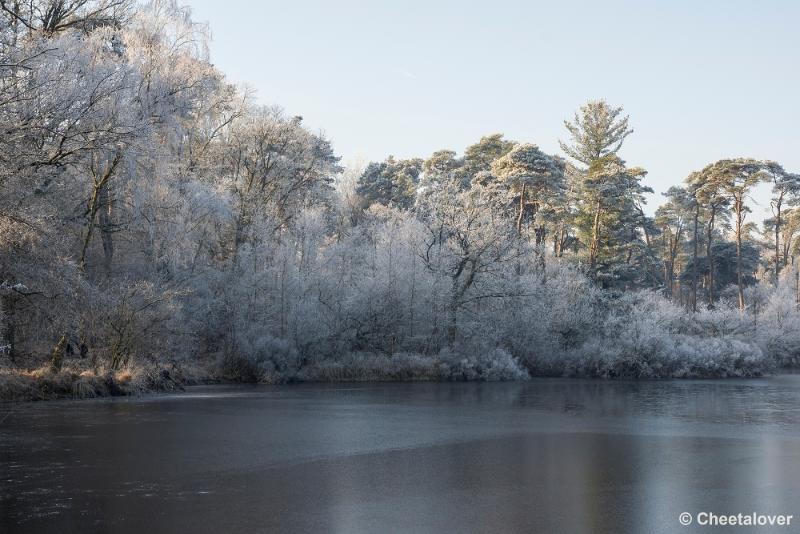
545 455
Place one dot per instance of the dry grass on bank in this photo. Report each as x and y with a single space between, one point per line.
78 381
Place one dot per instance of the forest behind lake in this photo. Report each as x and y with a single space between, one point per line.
160 227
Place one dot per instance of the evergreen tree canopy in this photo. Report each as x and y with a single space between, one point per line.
391 182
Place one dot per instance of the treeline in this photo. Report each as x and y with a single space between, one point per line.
156 224
589 209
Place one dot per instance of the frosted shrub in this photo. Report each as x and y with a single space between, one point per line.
694 357
261 358
496 364
366 366
723 321
659 356
643 335
448 365
778 331
501 365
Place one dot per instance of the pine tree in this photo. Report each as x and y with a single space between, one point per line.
609 216
391 183
597 131
785 188
480 156
535 179
713 204
673 218
734 178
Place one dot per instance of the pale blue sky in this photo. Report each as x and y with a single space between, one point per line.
701 80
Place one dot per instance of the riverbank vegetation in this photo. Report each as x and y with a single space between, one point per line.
158 226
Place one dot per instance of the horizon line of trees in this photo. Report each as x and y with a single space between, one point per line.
589 208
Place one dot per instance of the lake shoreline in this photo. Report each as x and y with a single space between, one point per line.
73 383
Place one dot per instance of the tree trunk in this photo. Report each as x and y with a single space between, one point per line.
739 208
452 323
458 291
541 235
669 265
412 292
694 257
92 213
521 210
593 246
98 201
239 230
105 224
710 255
558 248
785 246
452 326
778 237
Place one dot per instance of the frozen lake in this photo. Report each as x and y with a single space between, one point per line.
547 455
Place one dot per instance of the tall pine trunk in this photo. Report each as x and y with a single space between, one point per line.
594 245
710 255
694 257
521 210
739 209
778 204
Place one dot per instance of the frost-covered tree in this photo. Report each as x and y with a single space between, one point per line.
611 196
597 131
54 16
537 182
464 243
735 178
789 231
480 156
610 218
443 165
673 219
785 189
274 167
712 206
391 183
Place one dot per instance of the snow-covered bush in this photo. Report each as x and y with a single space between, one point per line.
448 365
777 328
643 335
259 357
666 356
496 364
